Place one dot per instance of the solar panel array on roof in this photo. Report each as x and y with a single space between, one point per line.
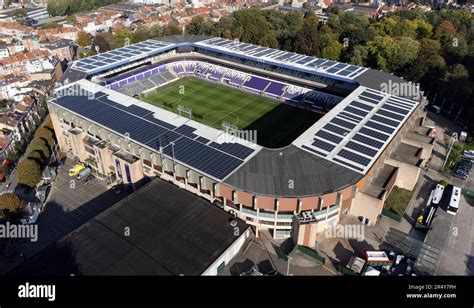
217 161
323 145
357 132
347 71
120 56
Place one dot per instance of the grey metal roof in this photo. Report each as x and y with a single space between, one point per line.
271 170
72 75
172 232
374 79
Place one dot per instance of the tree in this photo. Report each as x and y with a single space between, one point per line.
224 28
429 60
445 28
454 48
48 123
172 29
333 51
294 21
456 72
423 29
11 156
386 26
29 173
199 26
57 7
105 42
46 134
40 146
140 35
407 54
382 51
11 203
83 39
71 19
123 36
250 26
359 55
406 28
155 31
307 36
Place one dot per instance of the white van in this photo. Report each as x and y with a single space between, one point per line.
85 172
454 202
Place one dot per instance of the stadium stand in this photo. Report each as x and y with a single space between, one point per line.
155 76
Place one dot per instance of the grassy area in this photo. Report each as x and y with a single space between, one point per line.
398 200
276 124
454 158
469 147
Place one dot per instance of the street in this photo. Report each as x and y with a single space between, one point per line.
455 235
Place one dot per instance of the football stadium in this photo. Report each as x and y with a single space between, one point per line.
287 142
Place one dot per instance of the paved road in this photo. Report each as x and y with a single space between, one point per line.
455 236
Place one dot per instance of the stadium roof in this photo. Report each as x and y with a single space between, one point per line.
284 58
269 173
172 232
203 148
336 150
120 56
358 129
124 55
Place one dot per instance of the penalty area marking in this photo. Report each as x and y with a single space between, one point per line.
226 114
232 112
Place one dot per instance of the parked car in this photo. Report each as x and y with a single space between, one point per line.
42 193
460 176
461 172
84 173
30 214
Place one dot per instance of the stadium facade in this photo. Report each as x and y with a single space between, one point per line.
298 190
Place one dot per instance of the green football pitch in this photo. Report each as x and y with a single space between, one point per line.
276 124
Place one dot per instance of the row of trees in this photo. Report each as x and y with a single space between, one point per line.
434 48
38 155
21 145
69 7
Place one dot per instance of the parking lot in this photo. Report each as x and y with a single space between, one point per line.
70 204
454 235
